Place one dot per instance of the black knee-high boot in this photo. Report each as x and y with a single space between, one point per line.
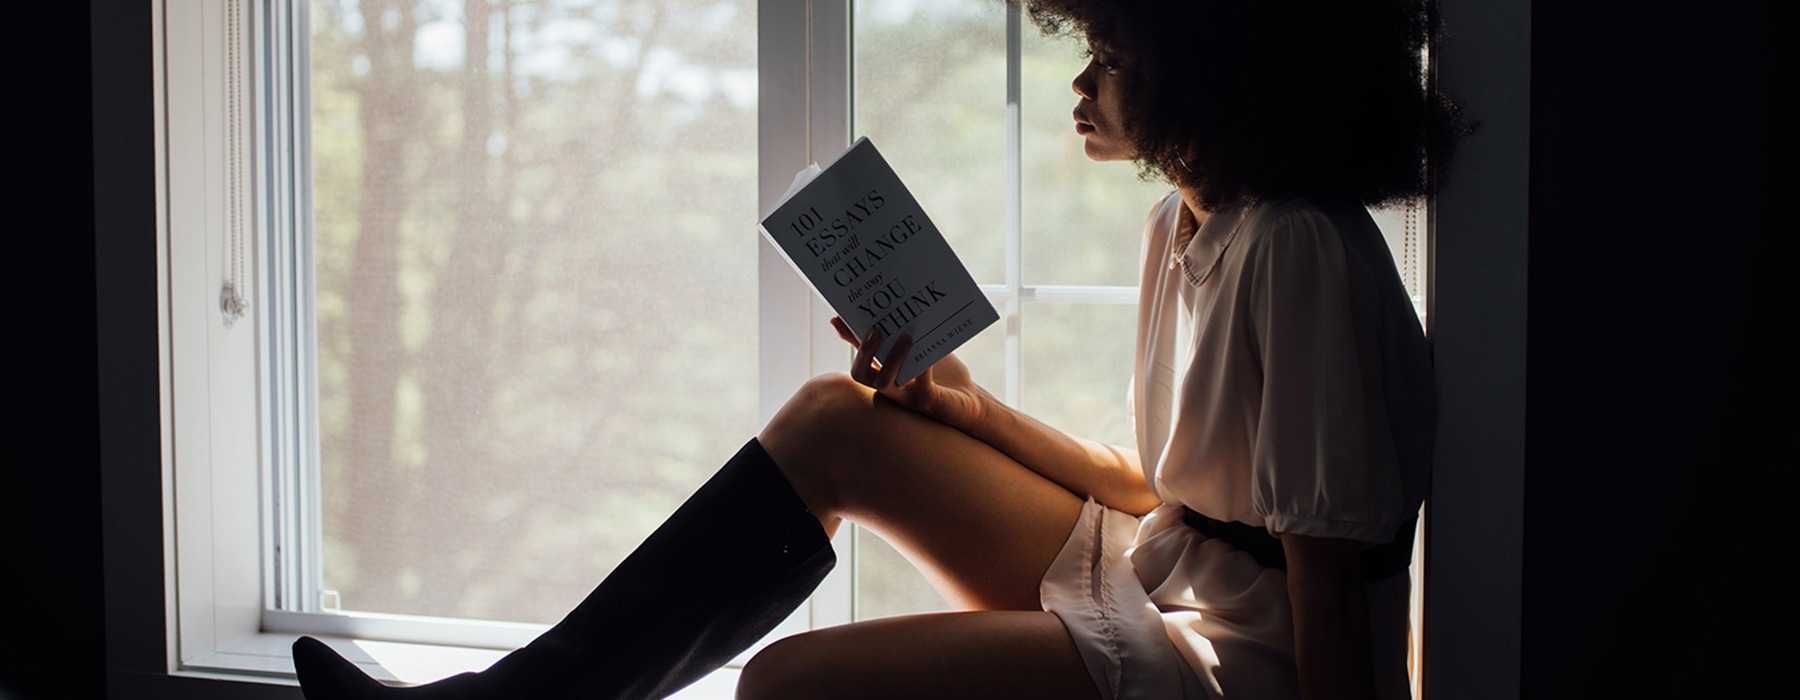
729 565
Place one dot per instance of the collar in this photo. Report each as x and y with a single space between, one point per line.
1198 252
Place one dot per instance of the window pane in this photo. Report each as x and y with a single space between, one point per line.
1078 367
930 78
1082 222
535 240
887 584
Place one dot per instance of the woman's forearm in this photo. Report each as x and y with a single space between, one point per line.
1108 473
1331 618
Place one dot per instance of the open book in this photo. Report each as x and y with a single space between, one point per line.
858 236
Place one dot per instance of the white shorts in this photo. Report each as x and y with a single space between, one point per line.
1160 611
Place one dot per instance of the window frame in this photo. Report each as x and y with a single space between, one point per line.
229 464
1479 297
210 451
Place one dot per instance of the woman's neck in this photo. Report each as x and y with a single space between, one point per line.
1190 200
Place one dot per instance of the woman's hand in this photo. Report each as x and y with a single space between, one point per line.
944 392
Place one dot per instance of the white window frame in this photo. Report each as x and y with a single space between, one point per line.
214 494
223 464
210 425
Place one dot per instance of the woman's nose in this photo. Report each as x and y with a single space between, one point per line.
1083 84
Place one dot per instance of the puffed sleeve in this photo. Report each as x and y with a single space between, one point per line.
1323 456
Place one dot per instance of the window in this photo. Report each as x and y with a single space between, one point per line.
416 234
531 233
500 317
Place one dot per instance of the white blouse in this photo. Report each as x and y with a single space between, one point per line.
1282 381
1282 378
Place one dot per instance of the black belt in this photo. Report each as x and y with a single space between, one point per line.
1378 562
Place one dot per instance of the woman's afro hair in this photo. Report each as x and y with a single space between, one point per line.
1253 99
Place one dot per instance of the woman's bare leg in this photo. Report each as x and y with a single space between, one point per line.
999 654
982 527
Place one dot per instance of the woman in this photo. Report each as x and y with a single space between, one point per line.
1284 438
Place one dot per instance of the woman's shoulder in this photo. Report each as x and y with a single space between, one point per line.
1301 233
1296 215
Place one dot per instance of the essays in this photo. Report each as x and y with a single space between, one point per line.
865 245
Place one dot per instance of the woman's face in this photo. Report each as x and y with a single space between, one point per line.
1100 114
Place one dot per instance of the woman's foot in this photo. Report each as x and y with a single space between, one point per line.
325 675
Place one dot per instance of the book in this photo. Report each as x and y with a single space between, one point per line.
858 236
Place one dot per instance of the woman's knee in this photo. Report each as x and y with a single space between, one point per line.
808 415
806 438
820 408
788 669
817 418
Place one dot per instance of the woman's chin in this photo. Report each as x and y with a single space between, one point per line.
1102 153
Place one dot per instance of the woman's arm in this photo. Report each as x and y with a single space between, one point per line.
947 393
1108 473
1331 617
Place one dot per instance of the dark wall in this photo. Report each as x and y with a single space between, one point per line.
1653 489
50 498
81 502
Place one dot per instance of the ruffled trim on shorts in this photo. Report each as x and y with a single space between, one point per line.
1092 587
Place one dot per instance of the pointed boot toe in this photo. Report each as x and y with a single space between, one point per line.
326 675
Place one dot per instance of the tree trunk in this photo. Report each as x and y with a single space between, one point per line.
377 356
457 377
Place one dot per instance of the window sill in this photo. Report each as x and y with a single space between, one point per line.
265 659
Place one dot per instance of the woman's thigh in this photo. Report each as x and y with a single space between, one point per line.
980 526
998 654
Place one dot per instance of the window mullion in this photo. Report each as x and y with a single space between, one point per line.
290 358
283 354
828 115
1015 350
312 527
783 148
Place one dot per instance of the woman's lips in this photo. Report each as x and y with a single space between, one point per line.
1082 126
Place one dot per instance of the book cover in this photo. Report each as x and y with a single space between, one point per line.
865 245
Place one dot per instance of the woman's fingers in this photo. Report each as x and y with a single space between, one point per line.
923 380
890 368
844 332
862 368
